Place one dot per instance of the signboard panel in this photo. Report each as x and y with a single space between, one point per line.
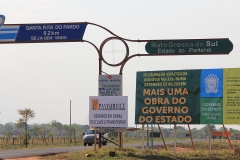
204 96
110 129
211 110
231 100
36 33
108 111
211 94
190 47
154 134
217 133
167 97
110 85
226 134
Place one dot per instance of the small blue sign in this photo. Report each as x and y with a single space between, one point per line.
101 90
211 83
35 33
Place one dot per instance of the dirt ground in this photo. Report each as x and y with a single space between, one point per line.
28 158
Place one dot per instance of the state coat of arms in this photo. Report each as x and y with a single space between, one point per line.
211 83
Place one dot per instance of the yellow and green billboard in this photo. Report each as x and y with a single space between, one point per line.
203 96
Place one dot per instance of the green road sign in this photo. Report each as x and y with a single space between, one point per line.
190 46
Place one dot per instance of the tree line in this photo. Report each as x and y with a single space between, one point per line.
25 132
54 129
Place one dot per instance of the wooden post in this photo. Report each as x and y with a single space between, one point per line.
95 139
152 135
227 136
162 137
142 138
175 127
99 139
190 133
121 141
147 137
119 135
209 139
136 130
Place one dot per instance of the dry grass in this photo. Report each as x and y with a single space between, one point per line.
184 152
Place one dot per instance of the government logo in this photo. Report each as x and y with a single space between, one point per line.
211 83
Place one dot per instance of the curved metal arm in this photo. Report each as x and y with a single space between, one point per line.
121 38
131 40
139 55
99 56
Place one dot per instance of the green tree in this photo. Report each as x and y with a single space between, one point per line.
222 129
58 126
35 131
205 130
180 132
75 128
8 130
26 114
45 132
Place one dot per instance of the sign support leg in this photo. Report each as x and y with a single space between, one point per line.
121 139
175 136
142 138
162 137
227 136
152 134
95 138
190 133
120 136
147 137
99 139
209 139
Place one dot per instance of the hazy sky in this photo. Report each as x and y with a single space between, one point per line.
46 76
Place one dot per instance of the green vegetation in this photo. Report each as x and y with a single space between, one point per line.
26 114
201 152
56 134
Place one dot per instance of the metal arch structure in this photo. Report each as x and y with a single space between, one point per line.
10 31
17 33
127 56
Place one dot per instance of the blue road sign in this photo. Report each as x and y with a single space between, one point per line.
36 33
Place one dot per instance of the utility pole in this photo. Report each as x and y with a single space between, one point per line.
70 112
70 131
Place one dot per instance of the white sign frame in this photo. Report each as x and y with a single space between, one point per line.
110 85
108 111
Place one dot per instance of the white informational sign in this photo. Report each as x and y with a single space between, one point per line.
110 129
110 85
108 111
